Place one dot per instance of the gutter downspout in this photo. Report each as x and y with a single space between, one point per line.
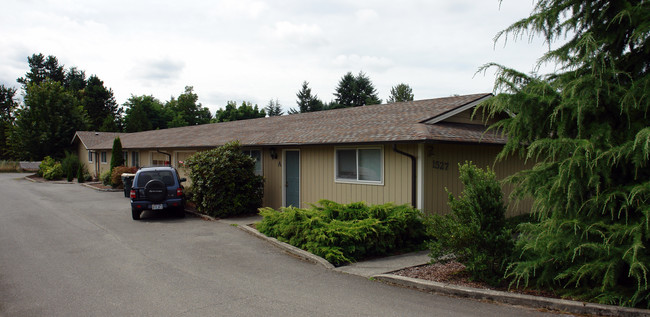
168 155
414 199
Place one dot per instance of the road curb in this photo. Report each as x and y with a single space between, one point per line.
297 252
89 185
562 305
202 216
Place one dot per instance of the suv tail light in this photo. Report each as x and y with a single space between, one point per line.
133 194
179 192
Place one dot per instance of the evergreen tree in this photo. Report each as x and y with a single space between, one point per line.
41 69
586 126
274 108
100 105
355 91
306 101
117 155
400 93
7 107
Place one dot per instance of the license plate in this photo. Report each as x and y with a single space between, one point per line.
157 207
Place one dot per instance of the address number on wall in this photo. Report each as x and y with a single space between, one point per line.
440 165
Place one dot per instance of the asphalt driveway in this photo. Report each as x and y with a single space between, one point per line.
67 250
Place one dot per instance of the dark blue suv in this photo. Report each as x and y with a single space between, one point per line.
157 188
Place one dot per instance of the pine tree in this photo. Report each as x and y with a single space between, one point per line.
273 108
586 127
306 101
355 91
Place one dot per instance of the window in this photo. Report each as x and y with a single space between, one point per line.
103 157
363 165
90 156
135 159
165 176
125 154
257 156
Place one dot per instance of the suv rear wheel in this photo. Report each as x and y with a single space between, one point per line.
135 214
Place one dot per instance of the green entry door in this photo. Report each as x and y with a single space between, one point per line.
292 178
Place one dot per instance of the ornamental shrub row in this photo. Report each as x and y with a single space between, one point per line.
345 233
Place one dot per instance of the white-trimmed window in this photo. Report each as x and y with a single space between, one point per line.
90 156
135 159
103 157
257 156
359 165
125 155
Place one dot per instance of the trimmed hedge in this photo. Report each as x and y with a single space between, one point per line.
345 233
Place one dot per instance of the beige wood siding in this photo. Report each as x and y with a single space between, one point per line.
441 171
82 152
318 178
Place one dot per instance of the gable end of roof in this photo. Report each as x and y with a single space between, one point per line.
457 110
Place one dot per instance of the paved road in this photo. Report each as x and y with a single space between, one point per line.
67 250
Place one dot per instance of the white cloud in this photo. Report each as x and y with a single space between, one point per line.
300 34
365 15
159 71
353 62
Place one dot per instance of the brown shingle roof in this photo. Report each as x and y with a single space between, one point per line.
92 139
397 122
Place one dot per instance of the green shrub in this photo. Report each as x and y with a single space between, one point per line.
105 177
80 173
475 229
47 162
53 172
70 165
346 233
224 181
116 175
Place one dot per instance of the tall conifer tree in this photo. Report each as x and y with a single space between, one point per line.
587 128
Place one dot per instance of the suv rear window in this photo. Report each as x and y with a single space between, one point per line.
165 176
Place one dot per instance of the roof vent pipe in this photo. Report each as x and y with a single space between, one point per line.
413 175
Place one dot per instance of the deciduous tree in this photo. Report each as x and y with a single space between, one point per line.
144 113
400 93
233 113
46 122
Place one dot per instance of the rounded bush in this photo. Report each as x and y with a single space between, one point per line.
224 182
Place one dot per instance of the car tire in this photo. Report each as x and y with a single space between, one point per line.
155 190
180 212
135 214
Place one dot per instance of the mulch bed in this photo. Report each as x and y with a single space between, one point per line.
454 272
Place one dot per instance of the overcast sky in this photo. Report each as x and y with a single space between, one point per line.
260 50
